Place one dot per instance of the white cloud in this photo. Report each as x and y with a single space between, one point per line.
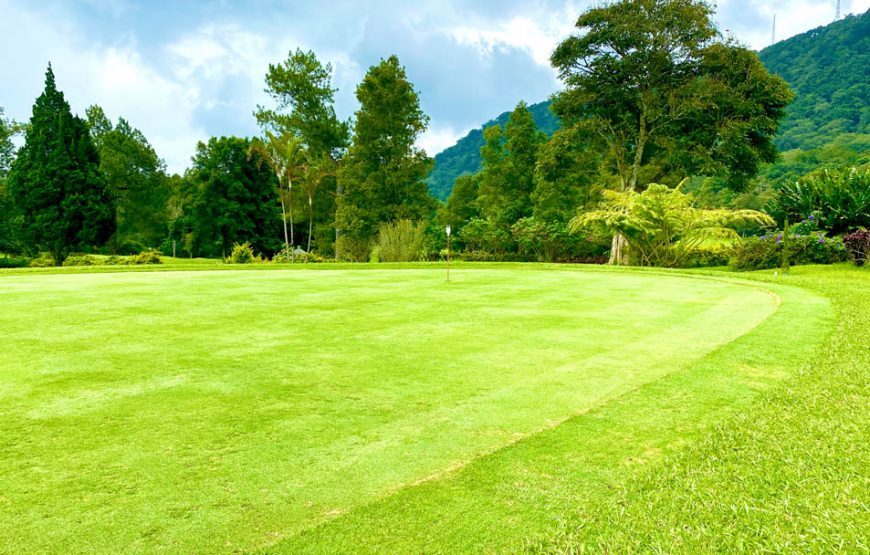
115 77
751 22
437 138
537 33
207 77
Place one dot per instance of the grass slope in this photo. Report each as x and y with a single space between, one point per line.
792 475
498 503
236 410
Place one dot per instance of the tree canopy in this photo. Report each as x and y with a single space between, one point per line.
302 88
136 178
7 148
235 200
652 83
56 181
383 173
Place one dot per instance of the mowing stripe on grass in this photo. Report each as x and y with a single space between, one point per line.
499 502
220 411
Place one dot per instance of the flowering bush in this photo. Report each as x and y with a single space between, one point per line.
858 246
758 253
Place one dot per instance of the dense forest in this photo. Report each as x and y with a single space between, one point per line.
828 68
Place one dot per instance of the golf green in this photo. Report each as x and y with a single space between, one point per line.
232 410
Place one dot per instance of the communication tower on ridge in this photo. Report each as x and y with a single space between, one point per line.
837 16
773 31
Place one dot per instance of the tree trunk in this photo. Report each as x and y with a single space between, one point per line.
638 152
290 210
310 225
619 245
619 250
339 191
284 218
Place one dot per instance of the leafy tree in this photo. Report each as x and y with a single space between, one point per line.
507 178
652 81
56 181
461 207
8 218
383 172
183 195
464 157
321 173
137 180
302 89
7 148
235 199
287 157
653 84
10 223
662 227
566 176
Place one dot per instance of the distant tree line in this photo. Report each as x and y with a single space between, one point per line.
653 95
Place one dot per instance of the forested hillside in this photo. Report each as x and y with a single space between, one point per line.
828 68
464 156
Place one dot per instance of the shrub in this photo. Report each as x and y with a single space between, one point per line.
145 257
482 235
707 256
549 241
476 256
858 246
81 260
299 257
838 199
14 262
759 253
662 225
42 261
130 247
242 254
400 241
350 249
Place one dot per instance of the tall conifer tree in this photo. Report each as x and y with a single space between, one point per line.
383 174
56 181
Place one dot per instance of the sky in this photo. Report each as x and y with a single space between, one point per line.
183 71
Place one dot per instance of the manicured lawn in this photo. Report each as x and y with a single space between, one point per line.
367 410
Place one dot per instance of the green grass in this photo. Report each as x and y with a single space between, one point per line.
792 475
379 410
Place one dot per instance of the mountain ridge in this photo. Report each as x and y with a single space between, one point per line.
827 67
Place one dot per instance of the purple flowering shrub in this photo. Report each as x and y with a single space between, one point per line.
759 253
857 245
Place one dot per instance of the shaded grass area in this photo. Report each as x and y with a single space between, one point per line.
498 502
791 475
231 410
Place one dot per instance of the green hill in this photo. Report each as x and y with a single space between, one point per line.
464 156
828 68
